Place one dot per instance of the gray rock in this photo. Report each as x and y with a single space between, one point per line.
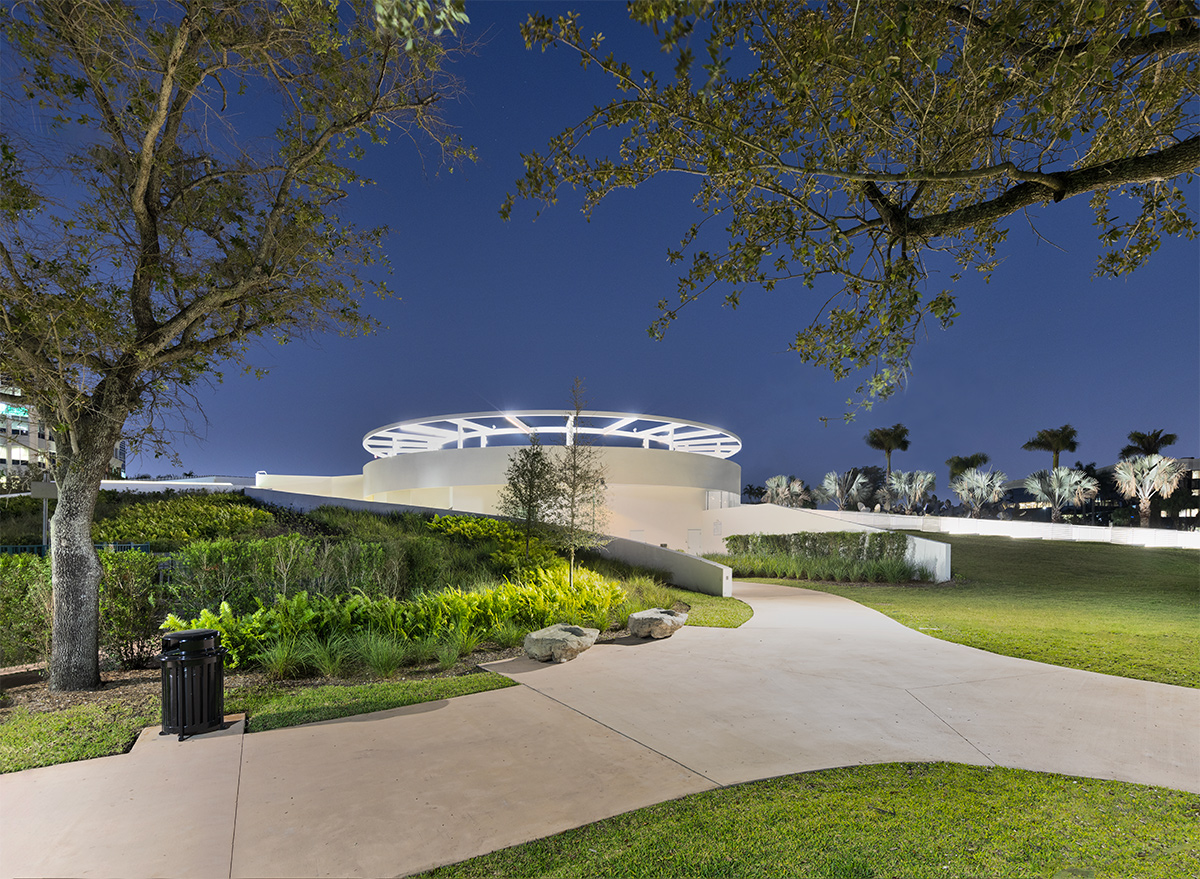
656 623
559 643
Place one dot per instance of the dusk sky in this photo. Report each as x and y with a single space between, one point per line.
498 315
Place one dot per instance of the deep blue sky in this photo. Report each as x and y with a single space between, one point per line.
500 315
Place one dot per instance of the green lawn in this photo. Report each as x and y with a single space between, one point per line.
910 820
1119 610
29 739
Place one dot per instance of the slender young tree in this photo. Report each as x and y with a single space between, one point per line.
172 243
579 511
888 440
1054 440
1151 443
1146 476
531 487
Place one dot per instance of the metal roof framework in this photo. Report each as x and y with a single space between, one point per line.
479 429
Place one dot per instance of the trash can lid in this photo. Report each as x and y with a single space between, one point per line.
191 640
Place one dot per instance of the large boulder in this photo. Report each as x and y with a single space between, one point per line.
559 643
656 622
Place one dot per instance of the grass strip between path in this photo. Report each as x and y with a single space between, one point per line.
912 820
30 739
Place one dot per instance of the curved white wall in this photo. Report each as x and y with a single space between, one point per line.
654 495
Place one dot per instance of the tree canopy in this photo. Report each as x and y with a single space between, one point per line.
875 144
146 240
1054 440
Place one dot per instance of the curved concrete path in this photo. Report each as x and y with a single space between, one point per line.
812 681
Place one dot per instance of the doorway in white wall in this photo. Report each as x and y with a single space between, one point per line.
693 541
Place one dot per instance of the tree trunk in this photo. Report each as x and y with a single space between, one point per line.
1144 512
1055 515
75 568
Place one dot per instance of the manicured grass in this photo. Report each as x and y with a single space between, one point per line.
100 729
911 820
271 708
713 610
29 739
1120 610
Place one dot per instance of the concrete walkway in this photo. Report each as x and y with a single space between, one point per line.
812 681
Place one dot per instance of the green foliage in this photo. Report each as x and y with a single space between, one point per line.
331 657
833 569
509 554
182 519
25 608
854 545
132 602
432 619
530 488
282 658
244 637
854 147
380 652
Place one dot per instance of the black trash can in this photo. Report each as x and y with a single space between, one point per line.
193 682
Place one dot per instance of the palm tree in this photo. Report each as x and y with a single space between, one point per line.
976 488
846 490
910 488
1144 477
1061 486
1151 443
786 491
1054 440
888 440
962 463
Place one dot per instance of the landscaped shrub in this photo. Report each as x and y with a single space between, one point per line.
132 602
858 545
507 542
829 569
183 518
431 618
26 613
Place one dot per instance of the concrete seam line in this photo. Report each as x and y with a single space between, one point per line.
951 728
623 735
237 793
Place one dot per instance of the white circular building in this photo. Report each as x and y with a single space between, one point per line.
661 474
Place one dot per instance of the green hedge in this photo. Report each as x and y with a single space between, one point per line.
863 546
25 608
829 568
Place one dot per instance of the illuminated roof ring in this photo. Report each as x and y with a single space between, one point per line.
480 429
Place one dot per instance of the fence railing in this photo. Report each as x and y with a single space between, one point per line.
42 548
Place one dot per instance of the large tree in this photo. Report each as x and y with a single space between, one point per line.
1054 440
146 240
856 141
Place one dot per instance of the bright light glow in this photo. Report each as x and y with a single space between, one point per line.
481 429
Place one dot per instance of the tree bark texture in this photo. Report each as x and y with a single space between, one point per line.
74 650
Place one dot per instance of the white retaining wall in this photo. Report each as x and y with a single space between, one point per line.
1162 537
